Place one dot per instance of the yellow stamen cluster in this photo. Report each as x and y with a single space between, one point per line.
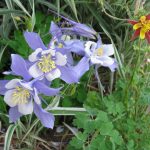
46 64
99 52
20 96
144 24
60 45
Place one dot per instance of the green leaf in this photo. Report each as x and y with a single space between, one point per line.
8 137
102 116
67 102
93 99
114 107
76 143
91 111
145 96
98 143
90 126
22 7
8 11
2 105
10 6
33 18
51 6
73 7
130 145
81 93
106 128
2 52
19 44
116 137
81 120
71 89
3 111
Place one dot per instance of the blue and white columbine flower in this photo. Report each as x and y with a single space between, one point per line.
51 63
63 42
46 63
76 28
23 99
22 95
99 54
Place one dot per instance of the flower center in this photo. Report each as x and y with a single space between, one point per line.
145 23
21 95
60 45
99 52
46 64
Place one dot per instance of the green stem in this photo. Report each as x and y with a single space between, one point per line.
131 81
68 111
101 88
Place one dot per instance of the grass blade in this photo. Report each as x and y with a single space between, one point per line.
22 7
8 11
72 4
8 136
10 6
33 18
2 52
52 7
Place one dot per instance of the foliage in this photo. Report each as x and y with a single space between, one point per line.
8 136
108 125
120 119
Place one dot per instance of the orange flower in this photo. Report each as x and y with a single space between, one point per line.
141 27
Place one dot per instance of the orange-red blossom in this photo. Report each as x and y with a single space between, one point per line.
141 27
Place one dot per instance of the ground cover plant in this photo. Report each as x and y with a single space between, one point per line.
75 75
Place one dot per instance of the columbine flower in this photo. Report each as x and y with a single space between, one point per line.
23 99
99 54
50 63
46 63
22 95
77 28
63 42
141 27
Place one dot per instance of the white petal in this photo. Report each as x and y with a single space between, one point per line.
95 60
50 51
53 75
33 57
108 49
90 47
45 52
8 98
26 108
27 85
65 38
35 71
61 59
107 61
36 98
12 84
52 44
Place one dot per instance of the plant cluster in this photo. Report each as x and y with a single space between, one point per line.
67 70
